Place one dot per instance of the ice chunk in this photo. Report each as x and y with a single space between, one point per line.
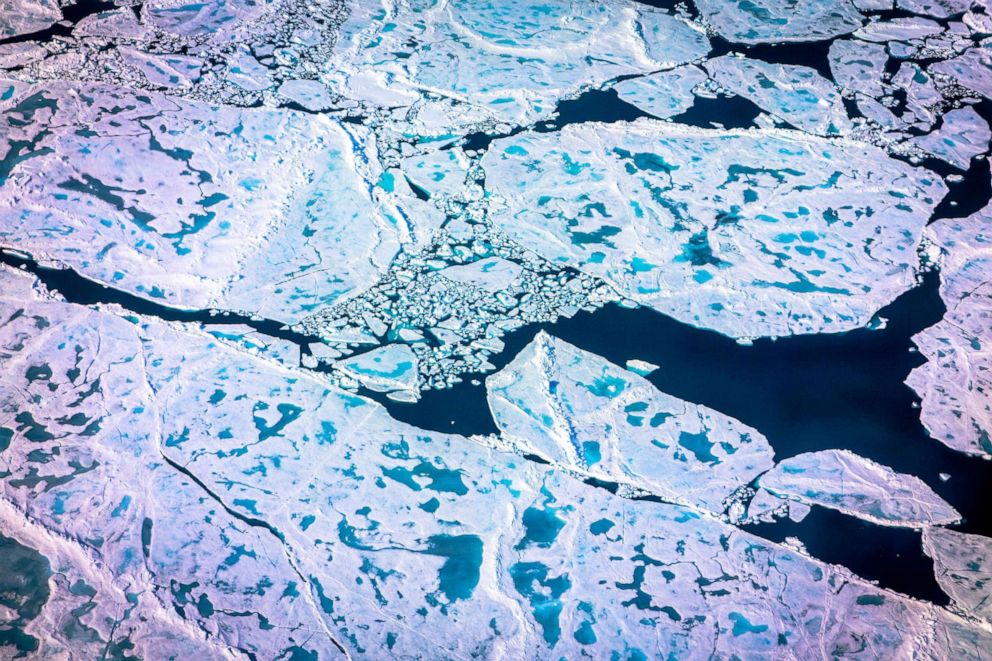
746 232
756 21
846 482
794 94
962 564
956 381
641 367
962 135
936 8
492 273
308 93
972 69
663 94
383 369
583 413
855 65
19 17
899 29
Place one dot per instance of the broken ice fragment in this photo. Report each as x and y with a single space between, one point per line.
391 367
962 564
846 482
795 94
492 273
756 21
585 414
750 233
663 94
962 135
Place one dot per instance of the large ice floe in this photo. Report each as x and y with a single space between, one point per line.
198 206
747 232
290 518
298 217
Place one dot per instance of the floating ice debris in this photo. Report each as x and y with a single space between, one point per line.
663 94
641 367
972 69
962 564
955 383
585 414
794 94
846 482
268 212
383 369
747 232
756 21
963 135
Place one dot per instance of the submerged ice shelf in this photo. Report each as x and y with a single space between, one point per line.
313 218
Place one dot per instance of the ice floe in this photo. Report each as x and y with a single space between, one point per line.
757 21
746 232
962 564
286 517
955 383
794 94
846 482
583 413
268 212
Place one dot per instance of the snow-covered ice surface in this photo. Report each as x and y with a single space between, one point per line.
768 232
842 480
274 255
291 517
589 416
955 383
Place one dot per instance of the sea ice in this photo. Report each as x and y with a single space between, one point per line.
663 94
585 414
794 94
746 232
268 212
962 564
247 508
492 62
955 383
756 21
962 136
846 482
